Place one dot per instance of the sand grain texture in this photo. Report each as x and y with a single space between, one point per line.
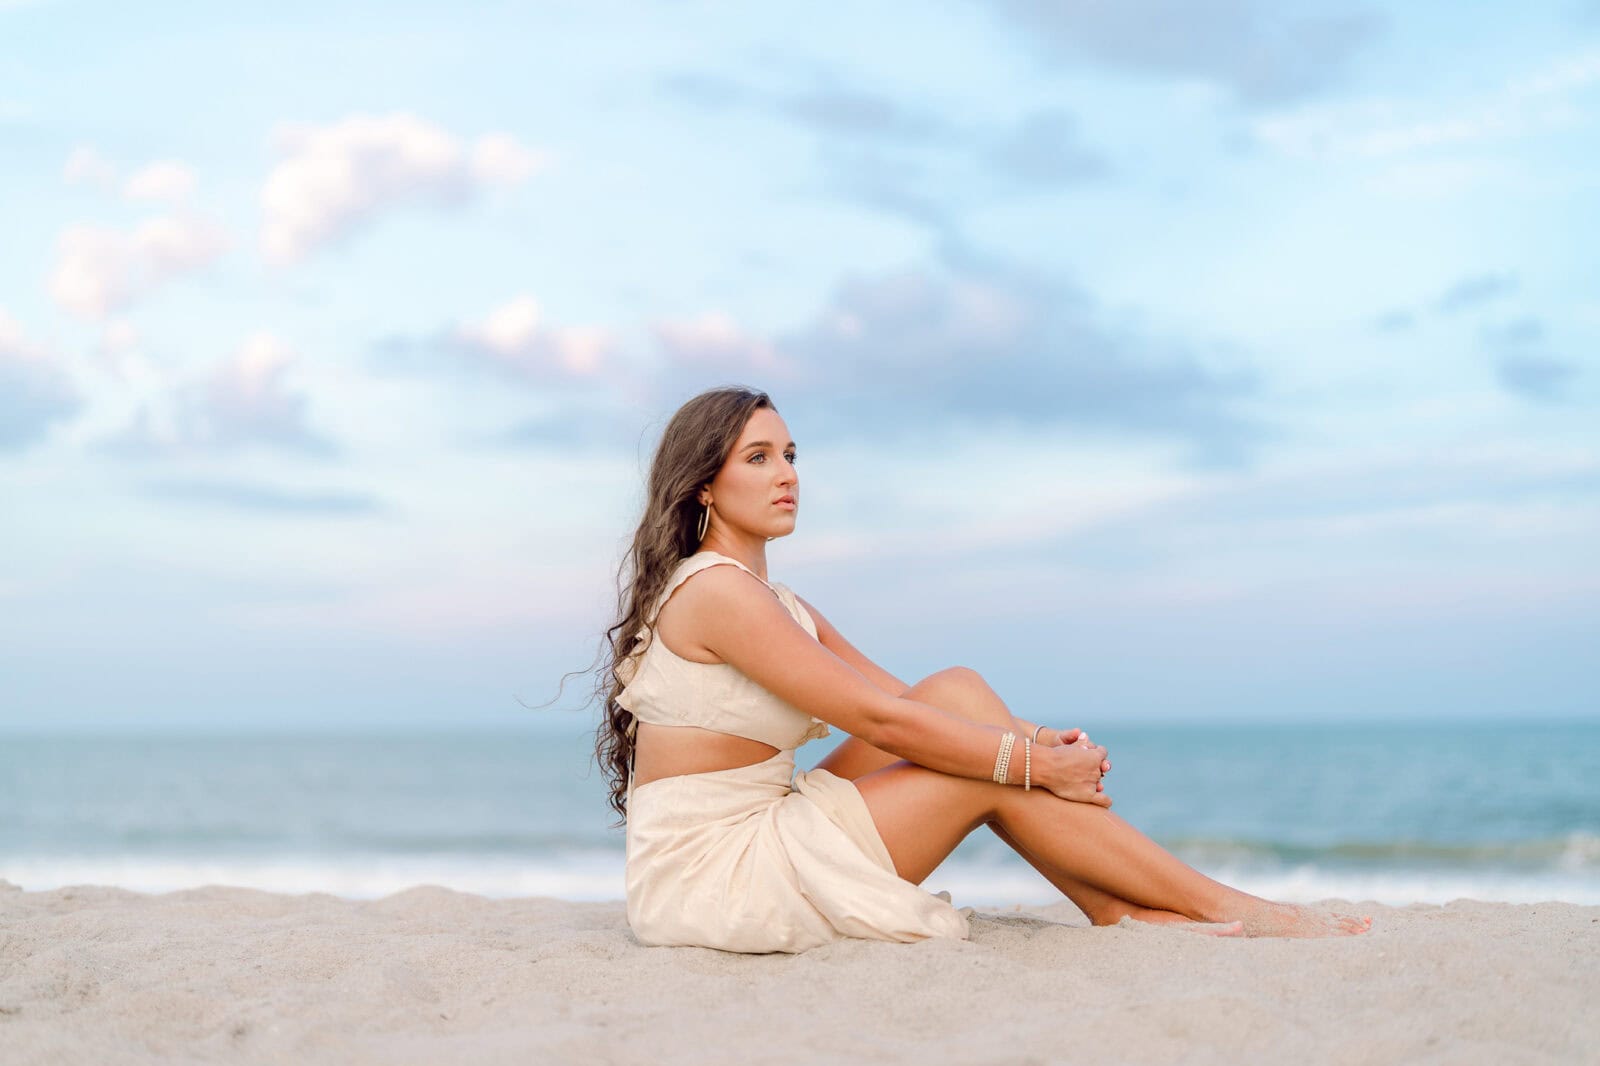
430 975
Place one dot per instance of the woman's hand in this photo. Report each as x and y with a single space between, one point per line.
1055 737
1072 771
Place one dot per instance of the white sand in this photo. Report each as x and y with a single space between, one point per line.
100 975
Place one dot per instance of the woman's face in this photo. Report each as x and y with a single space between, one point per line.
756 494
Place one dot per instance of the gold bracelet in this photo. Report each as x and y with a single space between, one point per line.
1027 766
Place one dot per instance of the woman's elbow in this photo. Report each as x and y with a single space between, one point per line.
886 723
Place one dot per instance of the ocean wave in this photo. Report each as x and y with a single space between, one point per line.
1005 885
586 876
1575 852
597 874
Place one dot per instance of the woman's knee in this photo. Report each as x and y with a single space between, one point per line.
962 690
954 681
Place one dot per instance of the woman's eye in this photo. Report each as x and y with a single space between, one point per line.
791 457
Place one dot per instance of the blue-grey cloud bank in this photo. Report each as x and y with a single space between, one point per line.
1159 360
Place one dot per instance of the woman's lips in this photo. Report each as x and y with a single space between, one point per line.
785 502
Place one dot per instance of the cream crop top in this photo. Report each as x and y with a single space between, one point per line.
665 689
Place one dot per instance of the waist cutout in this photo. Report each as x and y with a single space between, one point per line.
726 790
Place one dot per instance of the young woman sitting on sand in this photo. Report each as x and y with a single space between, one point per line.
715 676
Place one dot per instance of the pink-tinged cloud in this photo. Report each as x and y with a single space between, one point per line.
332 179
34 390
516 338
248 400
715 343
100 270
164 179
171 180
500 159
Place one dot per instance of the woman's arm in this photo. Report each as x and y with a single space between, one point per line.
835 642
742 623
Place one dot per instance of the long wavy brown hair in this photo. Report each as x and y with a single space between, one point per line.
693 448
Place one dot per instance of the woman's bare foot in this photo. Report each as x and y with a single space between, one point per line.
1211 928
1149 916
1289 919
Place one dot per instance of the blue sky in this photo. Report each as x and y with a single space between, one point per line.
1160 360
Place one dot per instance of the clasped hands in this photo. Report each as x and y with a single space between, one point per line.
1069 765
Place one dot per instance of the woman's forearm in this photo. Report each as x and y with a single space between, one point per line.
1046 736
933 737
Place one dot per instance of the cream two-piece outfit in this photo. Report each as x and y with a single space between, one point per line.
746 859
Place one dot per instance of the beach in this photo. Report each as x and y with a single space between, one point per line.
97 974
427 899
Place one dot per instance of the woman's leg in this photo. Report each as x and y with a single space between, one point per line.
963 691
923 814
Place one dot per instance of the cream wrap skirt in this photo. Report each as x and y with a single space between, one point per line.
742 860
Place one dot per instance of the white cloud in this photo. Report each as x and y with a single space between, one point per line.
85 166
13 346
94 272
164 179
1564 75
1378 128
332 178
120 349
515 337
99 270
119 336
249 399
500 159
715 343
172 244
249 396
1430 178
34 390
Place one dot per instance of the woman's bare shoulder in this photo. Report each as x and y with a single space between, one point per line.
707 596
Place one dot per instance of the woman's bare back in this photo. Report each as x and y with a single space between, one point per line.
670 750
667 751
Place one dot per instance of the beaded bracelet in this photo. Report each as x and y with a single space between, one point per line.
1002 761
1027 766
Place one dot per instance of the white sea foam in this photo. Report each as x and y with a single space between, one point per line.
598 875
577 877
1004 885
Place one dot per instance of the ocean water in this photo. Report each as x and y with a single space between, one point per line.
1395 813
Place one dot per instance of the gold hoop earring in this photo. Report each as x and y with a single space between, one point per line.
705 522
